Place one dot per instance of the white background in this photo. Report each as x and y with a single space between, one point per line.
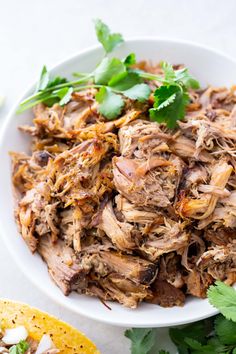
37 32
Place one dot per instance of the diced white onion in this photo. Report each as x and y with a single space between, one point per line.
15 335
45 344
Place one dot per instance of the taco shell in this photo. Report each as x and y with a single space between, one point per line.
65 337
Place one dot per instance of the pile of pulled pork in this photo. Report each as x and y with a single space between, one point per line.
128 210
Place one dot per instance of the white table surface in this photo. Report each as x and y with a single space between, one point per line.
37 32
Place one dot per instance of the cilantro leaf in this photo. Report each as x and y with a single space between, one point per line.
58 80
180 76
223 297
139 92
65 95
108 40
43 79
110 104
186 79
45 82
169 105
193 343
108 68
62 96
142 339
225 330
172 98
219 347
163 352
196 331
19 348
130 60
169 73
49 100
197 348
124 81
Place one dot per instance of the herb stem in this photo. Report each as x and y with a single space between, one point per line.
41 96
70 83
53 88
148 76
81 74
84 87
96 86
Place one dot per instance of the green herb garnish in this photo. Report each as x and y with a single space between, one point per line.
216 335
142 339
223 297
171 99
115 80
225 330
108 40
111 104
19 348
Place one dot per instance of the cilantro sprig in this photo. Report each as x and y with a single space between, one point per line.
116 80
223 297
112 77
19 348
108 40
216 335
142 340
171 99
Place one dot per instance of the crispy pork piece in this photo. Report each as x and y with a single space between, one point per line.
198 282
194 176
164 239
62 265
141 139
207 130
61 122
193 251
185 148
147 183
224 214
37 215
222 237
125 291
205 205
129 117
215 255
165 294
133 213
139 270
171 270
220 262
134 268
120 233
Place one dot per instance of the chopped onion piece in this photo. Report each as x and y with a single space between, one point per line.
45 344
15 335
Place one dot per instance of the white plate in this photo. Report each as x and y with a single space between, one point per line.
209 67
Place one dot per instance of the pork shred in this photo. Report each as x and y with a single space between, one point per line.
129 210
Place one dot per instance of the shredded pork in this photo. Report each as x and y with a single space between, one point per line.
128 210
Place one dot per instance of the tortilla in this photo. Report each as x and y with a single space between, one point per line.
65 337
